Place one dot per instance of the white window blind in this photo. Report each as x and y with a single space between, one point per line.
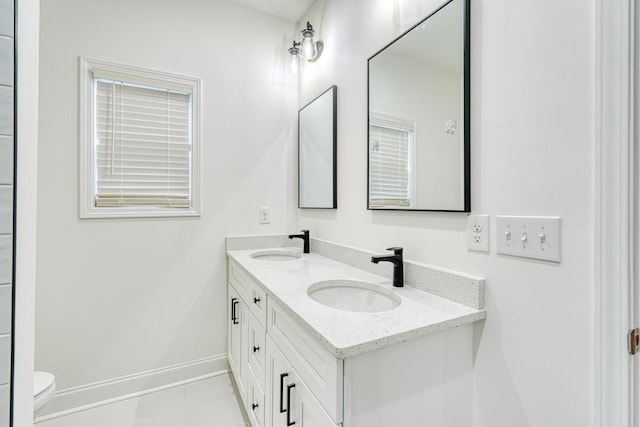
389 161
143 145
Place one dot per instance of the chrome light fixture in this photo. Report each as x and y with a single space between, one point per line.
294 51
308 48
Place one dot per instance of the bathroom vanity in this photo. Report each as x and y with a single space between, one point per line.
316 342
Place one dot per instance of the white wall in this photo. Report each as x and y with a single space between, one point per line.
532 143
163 303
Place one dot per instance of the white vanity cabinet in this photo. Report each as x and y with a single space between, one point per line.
286 377
274 394
246 341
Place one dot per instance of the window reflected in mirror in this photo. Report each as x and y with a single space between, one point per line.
391 177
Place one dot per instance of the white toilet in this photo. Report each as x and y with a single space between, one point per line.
44 387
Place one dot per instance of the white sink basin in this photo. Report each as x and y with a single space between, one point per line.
352 295
272 255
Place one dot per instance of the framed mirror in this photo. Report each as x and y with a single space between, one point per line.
418 116
317 143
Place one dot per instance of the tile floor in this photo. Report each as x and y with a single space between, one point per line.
206 403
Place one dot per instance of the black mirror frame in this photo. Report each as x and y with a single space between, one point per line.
467 111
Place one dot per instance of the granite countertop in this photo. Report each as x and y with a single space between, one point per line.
344 333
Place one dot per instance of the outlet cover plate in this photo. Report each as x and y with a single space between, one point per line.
536 237
264 214
478 233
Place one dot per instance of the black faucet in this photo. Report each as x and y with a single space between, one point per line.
305 238
398 269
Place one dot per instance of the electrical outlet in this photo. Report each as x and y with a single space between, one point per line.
478 233
265 215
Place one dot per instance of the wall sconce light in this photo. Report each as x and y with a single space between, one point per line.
308 48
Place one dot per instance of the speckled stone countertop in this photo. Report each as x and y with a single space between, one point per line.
344 333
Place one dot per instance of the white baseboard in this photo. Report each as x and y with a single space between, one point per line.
76 399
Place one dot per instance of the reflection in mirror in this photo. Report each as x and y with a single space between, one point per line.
419 116
317 136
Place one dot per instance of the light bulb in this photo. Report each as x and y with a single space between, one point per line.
308 48
294 51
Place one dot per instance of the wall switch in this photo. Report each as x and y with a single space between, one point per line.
265 215
529 237
478 233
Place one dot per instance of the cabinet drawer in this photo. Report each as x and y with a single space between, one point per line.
240 281
256 350
250 291
258 305
255 402
318 369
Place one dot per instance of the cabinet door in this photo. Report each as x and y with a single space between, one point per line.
309 412
289 400
320 371
237 336
280 376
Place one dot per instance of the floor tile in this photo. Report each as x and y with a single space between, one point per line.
121 414
66 421
210 390
206 403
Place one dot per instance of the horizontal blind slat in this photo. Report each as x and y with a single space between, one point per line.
143 145
388 166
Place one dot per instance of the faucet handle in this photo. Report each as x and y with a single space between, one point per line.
305 231
396 250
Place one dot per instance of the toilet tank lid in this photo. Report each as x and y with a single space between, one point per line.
42 381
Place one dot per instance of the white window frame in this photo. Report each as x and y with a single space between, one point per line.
144 77
390 121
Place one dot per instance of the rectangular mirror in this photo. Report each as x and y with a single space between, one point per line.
317 143
418 102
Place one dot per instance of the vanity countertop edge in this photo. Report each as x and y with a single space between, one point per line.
343 333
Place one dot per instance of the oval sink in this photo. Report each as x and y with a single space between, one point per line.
272 255
352 295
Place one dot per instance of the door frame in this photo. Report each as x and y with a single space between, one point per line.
26 35
615 212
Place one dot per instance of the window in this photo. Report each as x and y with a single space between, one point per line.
139 142
390 156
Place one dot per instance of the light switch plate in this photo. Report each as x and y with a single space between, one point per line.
478 233
529 237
